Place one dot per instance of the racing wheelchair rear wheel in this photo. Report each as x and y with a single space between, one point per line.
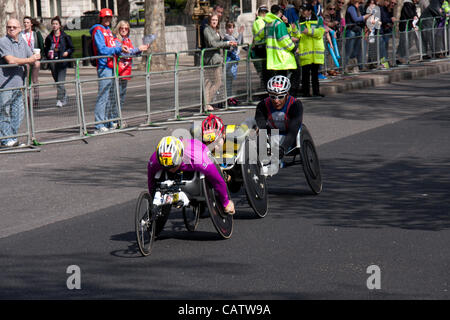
145 223
310 161
222 222
254 183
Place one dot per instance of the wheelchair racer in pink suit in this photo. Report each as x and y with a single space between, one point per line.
173 154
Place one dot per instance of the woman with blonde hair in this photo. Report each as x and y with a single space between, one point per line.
122 33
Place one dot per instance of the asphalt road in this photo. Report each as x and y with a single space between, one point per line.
385 162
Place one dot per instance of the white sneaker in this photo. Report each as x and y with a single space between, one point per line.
59 104
11 143
101 130
114 126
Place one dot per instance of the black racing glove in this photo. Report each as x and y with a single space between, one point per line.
281 152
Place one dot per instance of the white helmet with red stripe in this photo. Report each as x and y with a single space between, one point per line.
278 85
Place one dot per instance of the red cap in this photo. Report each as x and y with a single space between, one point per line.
105 12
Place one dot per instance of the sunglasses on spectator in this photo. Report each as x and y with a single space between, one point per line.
275 97
341 2
12 27
331 8
124 28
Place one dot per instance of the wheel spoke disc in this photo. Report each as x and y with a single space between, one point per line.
310 162
222 221
255 185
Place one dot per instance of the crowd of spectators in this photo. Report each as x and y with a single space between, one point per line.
289 38
362 31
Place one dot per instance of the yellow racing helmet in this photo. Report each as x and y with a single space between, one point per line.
170 152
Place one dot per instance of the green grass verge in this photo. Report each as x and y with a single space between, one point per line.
76 39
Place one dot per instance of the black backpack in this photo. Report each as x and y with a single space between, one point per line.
88 49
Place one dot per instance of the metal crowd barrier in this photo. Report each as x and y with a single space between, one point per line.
178 92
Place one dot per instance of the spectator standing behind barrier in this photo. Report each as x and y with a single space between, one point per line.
34 40
311 50
259 45
279 46
355 23
372 30
339 17
105 44
331 29
293 12
387 27
232 58
122 33
217 10
13 50
432 12
317 7
407 16
213 57
58 46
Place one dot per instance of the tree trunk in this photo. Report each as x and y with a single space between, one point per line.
11 9
155 19
189 9
123 8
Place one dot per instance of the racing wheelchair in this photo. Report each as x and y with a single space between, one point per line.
307 157
187 190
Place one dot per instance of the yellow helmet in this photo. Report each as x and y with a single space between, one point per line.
170 152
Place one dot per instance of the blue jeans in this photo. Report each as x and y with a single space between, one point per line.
123 92
59 75
353 47
384 45
11 113
106 106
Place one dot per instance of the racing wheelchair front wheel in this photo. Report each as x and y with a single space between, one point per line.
222 222
145 223
254 183
310 161
191 216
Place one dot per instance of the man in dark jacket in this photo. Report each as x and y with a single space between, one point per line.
407 28
430 18
387 23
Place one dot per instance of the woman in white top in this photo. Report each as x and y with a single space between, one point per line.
34 40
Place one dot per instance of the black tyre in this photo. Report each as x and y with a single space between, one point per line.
162 219
310 161
144 223
255 184
222 222
191 217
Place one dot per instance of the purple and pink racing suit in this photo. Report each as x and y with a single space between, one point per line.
196 157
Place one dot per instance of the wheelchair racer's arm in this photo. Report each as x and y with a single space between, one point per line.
294 124
261 115
153 167
201 160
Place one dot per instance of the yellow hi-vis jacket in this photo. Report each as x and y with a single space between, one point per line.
258 31
279 46
311 48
